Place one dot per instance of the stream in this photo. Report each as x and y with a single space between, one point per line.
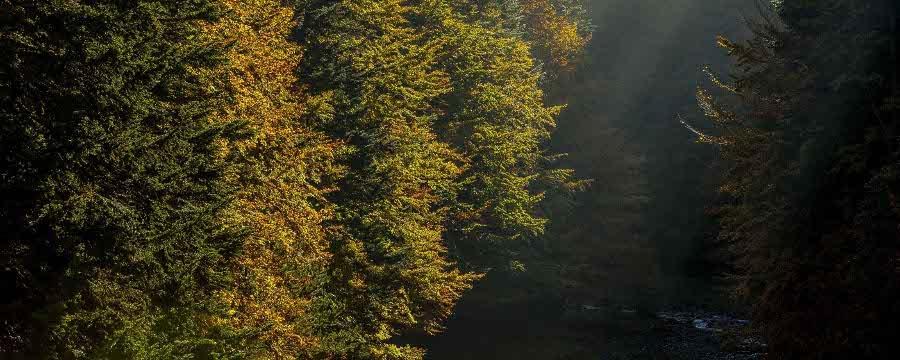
543 331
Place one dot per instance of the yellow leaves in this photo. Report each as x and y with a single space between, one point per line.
718 82
384 84
556 38
282 179
726 44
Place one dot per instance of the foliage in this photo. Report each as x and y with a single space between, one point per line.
556 31
494 116
111 180
809 130
389 272
286 170
261 179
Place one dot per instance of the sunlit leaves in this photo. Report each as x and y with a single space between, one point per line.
257 179
284 174
389 273
558 39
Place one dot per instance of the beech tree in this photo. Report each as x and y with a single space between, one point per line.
284 173
261 179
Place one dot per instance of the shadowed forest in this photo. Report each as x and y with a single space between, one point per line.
449 179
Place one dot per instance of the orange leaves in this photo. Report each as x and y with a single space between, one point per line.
283 166
342 278
262 61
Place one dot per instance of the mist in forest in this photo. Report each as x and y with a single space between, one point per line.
450 179
640 236
743 159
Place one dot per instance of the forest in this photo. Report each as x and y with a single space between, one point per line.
449 179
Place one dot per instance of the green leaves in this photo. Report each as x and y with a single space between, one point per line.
390 273
496 118
187 181
112 210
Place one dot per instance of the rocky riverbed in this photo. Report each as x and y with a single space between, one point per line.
587 332
707 336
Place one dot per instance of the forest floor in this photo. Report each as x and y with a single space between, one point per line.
540 332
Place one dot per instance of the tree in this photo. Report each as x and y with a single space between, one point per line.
556 31
446 120
495 116
809 128
254 179
111 179
389 272
284 174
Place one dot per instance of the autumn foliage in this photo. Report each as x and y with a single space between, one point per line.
262 179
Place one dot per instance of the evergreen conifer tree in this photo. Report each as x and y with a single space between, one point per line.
809 130
111 180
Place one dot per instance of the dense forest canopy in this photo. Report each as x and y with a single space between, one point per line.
330 179
265 179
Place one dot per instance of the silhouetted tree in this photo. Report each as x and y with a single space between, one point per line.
808 129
